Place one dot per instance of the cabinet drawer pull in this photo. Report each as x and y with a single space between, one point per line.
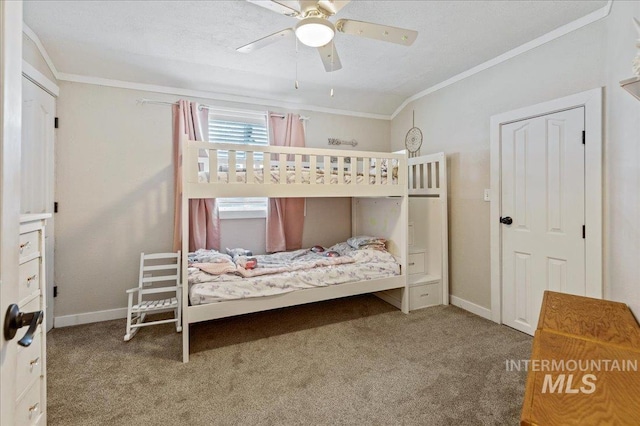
31 278
24 246
34 362
412 263
424 295
33 408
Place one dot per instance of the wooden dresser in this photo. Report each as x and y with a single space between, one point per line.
595 345
31 383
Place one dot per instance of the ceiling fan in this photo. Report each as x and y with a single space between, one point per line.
316 30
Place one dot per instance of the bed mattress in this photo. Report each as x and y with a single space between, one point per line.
305 177
368 265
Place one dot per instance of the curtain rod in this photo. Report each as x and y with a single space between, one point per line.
143 101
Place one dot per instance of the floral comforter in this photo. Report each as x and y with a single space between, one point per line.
367 264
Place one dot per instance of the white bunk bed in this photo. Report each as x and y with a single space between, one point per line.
379 208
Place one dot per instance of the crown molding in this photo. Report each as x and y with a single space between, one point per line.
546 38
592 17
75 78
39 79
36 40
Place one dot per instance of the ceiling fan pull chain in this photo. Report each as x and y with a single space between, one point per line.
333 55
297 85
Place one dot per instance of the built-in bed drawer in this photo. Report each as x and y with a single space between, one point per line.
29 279
29 244
424 295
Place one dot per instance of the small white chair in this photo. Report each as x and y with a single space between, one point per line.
154 268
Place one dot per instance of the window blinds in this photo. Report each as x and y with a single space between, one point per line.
242 131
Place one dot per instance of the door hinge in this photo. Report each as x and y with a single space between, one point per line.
584 137
55 123
584 232
55 207
55 291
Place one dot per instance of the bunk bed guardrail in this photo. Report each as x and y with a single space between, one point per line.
425 175
233 170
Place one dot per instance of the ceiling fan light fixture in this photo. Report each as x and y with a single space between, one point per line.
315 32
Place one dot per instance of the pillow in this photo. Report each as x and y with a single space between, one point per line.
342 248
384 167
373 246
364 242
225 168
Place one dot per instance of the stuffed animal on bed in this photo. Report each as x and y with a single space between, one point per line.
321 251
251 263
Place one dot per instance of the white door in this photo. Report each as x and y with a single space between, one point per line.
543 213
37 169
10 103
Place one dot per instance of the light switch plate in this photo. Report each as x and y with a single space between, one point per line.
487 195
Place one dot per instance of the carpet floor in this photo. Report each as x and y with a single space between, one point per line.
352 361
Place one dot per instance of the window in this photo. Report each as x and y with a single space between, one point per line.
244 130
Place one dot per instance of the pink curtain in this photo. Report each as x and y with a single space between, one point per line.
285 216
204 222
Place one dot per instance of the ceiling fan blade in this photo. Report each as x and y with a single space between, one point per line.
276 6
333 6
377 31
329 57
265 41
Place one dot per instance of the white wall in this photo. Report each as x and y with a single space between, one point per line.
455 120
622 162
114 186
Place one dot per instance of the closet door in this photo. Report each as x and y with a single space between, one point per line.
37 169
543 204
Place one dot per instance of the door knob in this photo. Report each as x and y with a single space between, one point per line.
506 220
16 319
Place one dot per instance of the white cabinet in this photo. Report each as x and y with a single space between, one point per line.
416 262
427 261
31 365
424 295
425 289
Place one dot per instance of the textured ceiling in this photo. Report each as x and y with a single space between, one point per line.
192 45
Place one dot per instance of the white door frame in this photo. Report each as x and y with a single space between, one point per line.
10 138
591 100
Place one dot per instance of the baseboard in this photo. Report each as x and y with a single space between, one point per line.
111 314
89 317
481 311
